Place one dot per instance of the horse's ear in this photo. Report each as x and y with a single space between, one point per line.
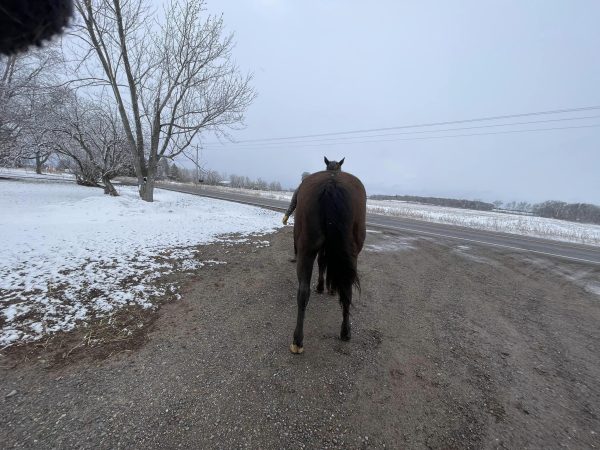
326 160
342 161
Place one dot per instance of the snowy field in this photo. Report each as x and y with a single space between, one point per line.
70 253
493 221
481 220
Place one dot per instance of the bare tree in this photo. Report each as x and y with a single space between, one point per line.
162 171
213 177
9 128
91 136
236 181
169 83
260 184
275 186
523 207
27 85
174 173
38 120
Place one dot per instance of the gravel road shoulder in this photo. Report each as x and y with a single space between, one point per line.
452 346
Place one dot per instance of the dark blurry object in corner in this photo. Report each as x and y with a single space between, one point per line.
24 23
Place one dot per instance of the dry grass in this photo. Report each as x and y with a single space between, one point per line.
124 331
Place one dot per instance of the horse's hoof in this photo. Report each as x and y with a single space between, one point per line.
345 334
295 349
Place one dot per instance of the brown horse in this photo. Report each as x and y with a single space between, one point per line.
330 222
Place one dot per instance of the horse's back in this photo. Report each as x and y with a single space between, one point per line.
322 191
315 183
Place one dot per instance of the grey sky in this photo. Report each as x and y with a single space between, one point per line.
335 65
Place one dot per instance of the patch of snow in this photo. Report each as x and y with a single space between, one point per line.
10 336
593 287
388 243
71 252
586 279
463 251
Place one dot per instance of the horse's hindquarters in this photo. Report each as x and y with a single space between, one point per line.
330 221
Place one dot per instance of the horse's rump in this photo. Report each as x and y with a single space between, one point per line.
331 217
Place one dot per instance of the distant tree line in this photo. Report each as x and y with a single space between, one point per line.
173 172
522 207
170 171
575 212
437 201
238 181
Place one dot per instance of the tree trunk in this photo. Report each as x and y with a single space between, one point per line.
109 188
148 182
38 163
86 182
147 187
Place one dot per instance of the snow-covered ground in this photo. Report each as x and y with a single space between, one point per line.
29 172
492 221
70 253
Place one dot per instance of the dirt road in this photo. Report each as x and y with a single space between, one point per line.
452 347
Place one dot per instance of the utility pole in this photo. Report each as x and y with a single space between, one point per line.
197 168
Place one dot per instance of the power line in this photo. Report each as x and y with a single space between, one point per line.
421 125
300 144
347 138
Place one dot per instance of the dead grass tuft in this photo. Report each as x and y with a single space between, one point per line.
126 330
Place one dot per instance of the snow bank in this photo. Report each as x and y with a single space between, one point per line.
70 253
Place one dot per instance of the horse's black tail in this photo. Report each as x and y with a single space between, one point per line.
337 223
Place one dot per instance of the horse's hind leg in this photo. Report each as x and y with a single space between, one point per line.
295 253
304 270
346 301
330 290
321 263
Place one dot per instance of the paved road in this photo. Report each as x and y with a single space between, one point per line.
575 252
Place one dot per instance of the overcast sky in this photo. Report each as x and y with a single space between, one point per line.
324 66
